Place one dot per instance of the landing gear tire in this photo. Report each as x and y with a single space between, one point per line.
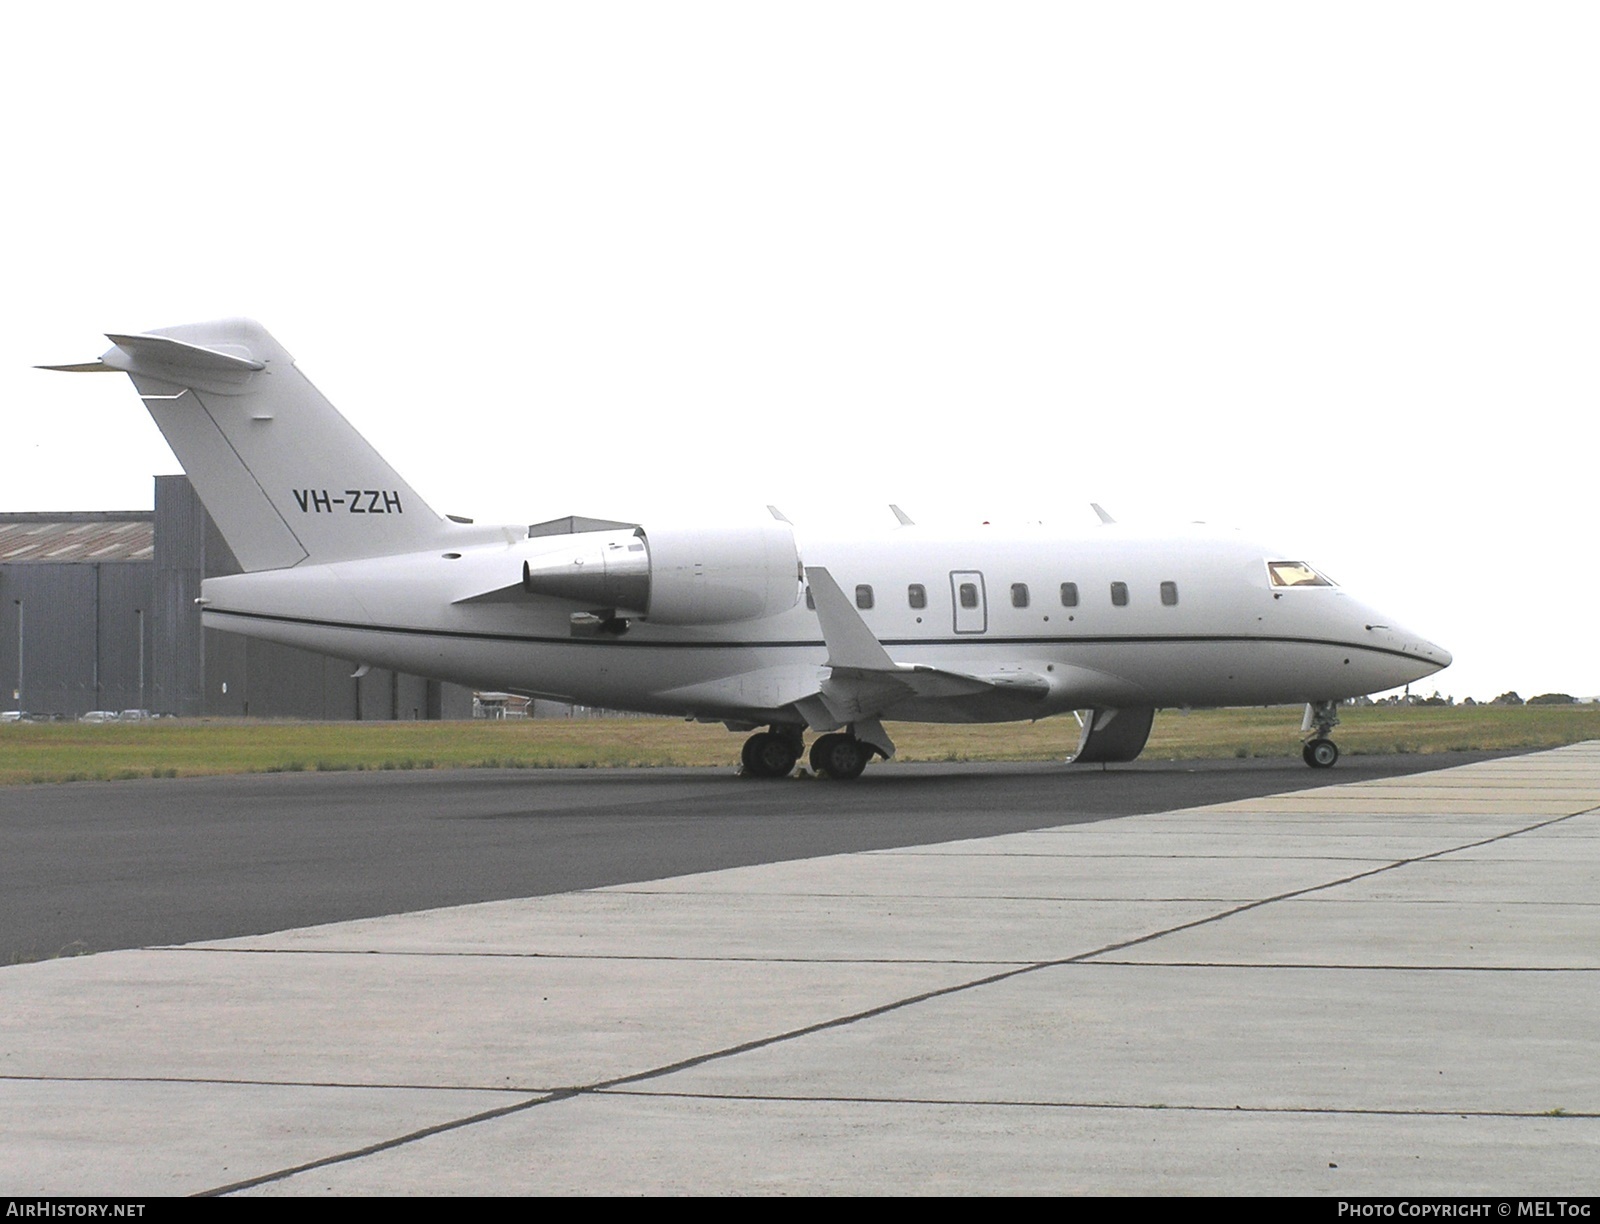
1320 753
766 754
840 756
818 758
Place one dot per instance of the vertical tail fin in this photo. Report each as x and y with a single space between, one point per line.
286 478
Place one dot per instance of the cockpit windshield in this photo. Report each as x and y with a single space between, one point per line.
1296 574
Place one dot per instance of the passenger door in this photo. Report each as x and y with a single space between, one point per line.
968 598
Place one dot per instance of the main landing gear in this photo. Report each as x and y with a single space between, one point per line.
774 754
1321 718
840 756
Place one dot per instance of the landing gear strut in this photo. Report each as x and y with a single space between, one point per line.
1321 718
772 754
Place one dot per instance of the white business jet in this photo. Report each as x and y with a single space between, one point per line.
749 622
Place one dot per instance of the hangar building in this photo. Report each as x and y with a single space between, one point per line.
98 612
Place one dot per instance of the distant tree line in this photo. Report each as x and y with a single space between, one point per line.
1436 699
1511 698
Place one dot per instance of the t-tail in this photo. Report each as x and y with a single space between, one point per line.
286 478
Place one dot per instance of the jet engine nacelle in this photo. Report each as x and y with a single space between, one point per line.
703 575
714 575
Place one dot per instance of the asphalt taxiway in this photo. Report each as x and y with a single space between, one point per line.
96 866
1382 985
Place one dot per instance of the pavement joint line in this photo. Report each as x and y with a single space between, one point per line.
1106 855
1340 966
1323 887
992 1103
601 1086
342 1085
609 956
1232 858
1507 903
385 1145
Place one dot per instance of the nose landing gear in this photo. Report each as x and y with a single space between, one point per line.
1320 753
1321 718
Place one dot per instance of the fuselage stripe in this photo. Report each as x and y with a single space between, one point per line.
809 643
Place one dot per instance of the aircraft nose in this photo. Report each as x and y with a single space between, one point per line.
1413 655
1435 656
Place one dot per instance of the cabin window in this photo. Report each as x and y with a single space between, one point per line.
968 593
1119 594
1019 594
863 597
917 595
1069 594
1295 574
811 600
1169 594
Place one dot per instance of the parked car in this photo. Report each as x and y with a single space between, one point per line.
98 716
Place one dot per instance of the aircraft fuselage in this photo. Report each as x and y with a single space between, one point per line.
1223 636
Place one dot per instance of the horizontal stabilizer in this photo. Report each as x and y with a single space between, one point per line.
82 367
164 350
224 369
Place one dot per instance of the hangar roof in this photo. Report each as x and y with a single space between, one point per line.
78 536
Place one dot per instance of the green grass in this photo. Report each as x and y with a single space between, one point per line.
71 752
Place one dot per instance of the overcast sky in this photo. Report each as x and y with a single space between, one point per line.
1329 273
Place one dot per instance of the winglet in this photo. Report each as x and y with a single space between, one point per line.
1101 511
850 643
905 519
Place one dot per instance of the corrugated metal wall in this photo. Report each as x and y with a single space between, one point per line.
180 540
125 655
89 628
75 628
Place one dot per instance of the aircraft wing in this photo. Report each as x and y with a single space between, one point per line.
864 681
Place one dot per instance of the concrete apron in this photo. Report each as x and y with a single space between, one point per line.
1377 988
